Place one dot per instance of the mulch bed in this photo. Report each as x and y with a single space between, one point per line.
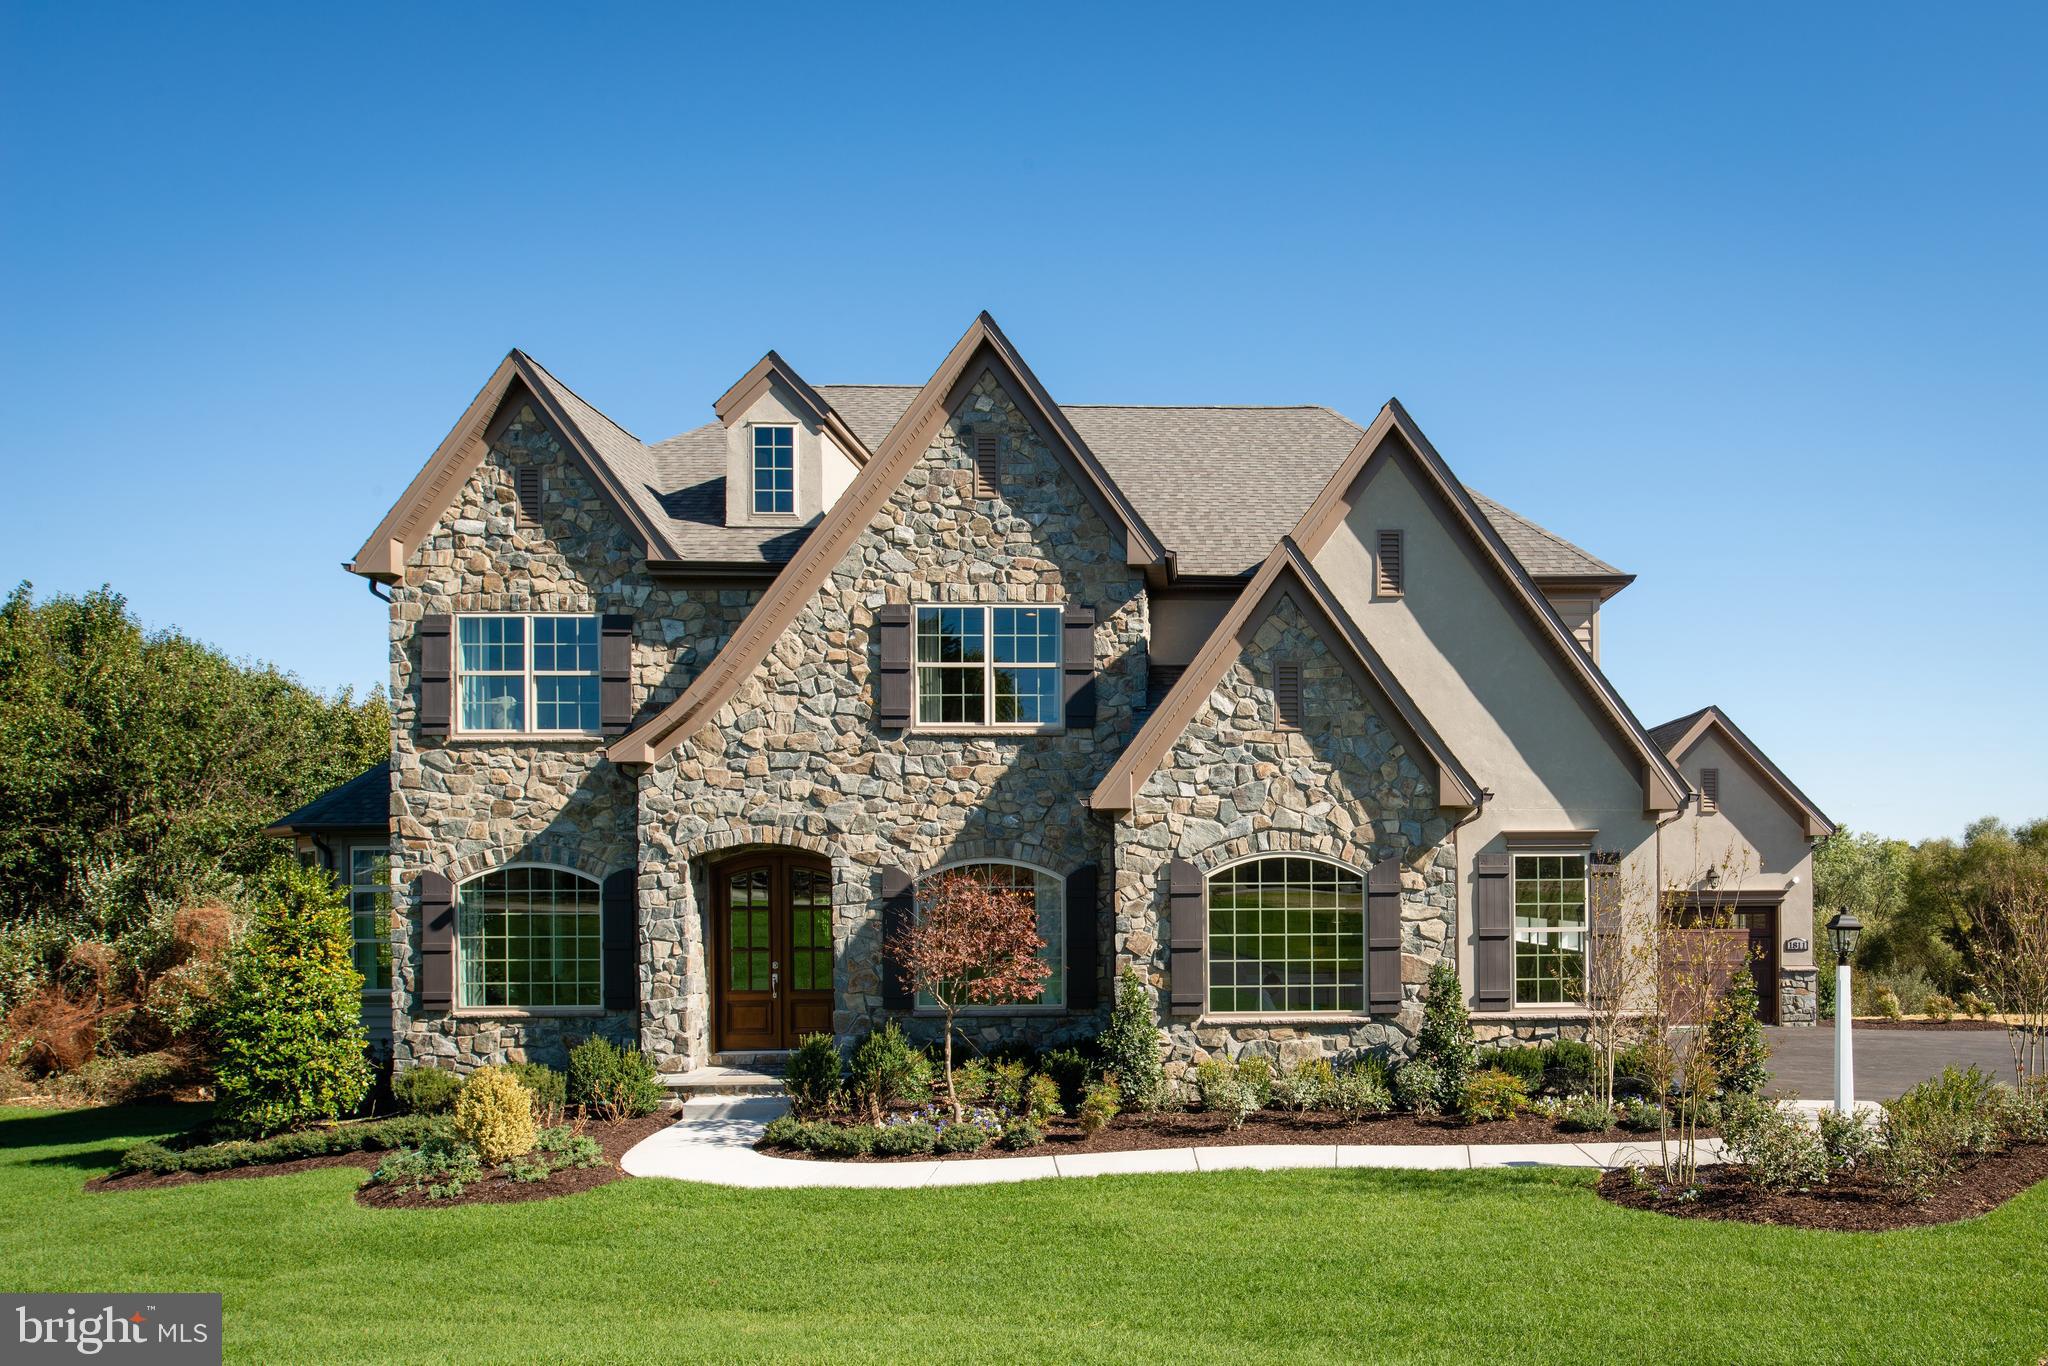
614 1137
1881 1022
1195 1129
1853 1203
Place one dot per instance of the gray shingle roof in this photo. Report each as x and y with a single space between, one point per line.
1218 485
361 803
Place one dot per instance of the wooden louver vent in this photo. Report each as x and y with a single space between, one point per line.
1287 693
1390 575
988 464
1710 791
526 483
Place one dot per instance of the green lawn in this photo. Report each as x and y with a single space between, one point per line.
1302 1265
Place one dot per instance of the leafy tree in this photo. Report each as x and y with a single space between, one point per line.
290 1024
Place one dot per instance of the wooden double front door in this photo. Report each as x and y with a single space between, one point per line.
771 939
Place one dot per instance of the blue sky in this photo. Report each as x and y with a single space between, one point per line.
1748 301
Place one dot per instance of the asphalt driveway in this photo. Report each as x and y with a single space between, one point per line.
1888 1061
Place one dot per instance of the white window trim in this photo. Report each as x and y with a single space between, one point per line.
532 700
1281 1016
1059 969
989 665
754 508
350 886
461 1011
1548 849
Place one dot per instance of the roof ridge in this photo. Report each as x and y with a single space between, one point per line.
568 389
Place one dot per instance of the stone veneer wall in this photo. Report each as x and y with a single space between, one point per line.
1235 784
797 760
1798 996
464 807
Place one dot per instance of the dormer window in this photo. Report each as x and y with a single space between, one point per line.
774 471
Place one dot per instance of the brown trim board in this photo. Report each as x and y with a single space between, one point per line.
771 367
1818 825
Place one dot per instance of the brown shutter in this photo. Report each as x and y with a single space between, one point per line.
526 483
437 942
899 908
988 464
1710 791
619 906
1493 923
1287 693
436 671
1383 935
1187 902
1077 651
1390 578
615 672
1084 950
1606 941
892 677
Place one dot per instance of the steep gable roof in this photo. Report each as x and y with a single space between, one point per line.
1677 737
1285 573
1664 789
982 344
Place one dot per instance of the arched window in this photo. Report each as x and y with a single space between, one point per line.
1047 893
1286 935
529 937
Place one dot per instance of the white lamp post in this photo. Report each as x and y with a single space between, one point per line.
1843 931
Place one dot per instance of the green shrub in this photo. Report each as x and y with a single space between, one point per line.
1930 1130
1775 1148
613 1082
1735 1039
149 1156
1848 1140
1976 1006
1360 1089
1221 1089
844 1140
1257 1073
1569 1065
1445 1038
1939 1008
290 1022
1523 1063
440 1168
1305 1086
1635 1069
494 1115
1006 1085
1041 1098
1884 1001
972 1081
784 1131
812 1077
550 1090
1642 1115
903 1140
1584 1114
2023 1111
963 1138
323 1141
564 1147
1098 1107
1071 1070
1418 1086
1020 1134
424 1090
1492 1094
888 1071
1130 1045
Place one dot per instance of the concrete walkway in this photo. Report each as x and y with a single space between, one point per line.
712 1142
1889 1062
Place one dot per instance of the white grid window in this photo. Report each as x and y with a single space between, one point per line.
988 666
1286 935
1048 897
533 674
529 938
369 905
774 470
1550 929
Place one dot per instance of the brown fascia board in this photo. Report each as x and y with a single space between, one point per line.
1817 823
1284 569
1664 789
432 490
772 367
1600 586
829 542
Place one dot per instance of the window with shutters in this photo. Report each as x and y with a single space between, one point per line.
1047 892
1286 936
368 882
1710 791
989 666
774 470
534 675
1550 929
529 937
1390 577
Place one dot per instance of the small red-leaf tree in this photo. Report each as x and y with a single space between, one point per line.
971 944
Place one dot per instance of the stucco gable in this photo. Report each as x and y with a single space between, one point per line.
1684 735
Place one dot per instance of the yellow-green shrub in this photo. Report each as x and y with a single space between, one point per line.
495 1113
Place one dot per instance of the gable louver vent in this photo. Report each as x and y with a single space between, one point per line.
1287 693
526 483
1710 791
1390 576
988 464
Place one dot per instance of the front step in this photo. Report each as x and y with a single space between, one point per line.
730 1074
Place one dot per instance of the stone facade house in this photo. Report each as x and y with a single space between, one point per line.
1259 702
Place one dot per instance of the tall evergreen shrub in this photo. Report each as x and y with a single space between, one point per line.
1445 1040
1130 1045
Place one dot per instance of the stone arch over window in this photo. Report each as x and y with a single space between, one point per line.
1048 892
1286 936
529 936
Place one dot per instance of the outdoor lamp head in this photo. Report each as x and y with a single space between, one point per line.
1843 931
